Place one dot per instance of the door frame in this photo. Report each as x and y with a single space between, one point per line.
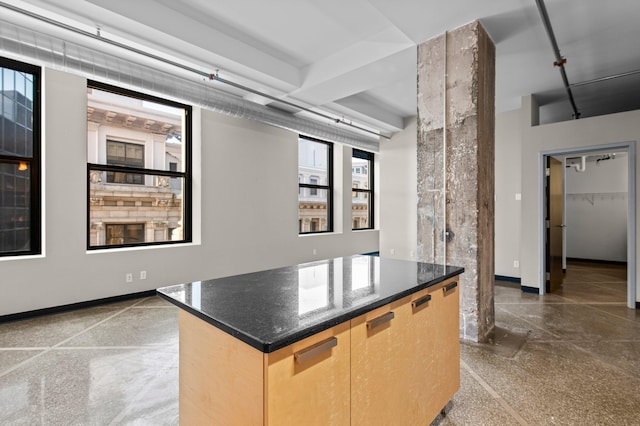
630 147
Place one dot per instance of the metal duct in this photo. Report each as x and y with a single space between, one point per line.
110 68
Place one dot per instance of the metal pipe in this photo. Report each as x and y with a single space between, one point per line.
216 77
560 61
445 235
184 67
610 77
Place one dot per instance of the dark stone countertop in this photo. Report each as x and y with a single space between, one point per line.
275 308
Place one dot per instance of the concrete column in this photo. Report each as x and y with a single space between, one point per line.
456 166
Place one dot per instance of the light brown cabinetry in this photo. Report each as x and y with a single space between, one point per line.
307 383
224 381
406 369
398 364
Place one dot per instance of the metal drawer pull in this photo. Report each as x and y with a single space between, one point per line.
315 350
380 320
419 302
450 287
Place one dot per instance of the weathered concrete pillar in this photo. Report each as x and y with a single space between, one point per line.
456 166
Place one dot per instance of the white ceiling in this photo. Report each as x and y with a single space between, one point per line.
357 58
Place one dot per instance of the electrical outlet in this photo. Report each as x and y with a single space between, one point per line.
516 263
129 277
143 275
518 196
393 251
315 252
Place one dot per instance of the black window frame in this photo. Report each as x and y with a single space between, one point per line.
328 187
369 156
33 162
187 216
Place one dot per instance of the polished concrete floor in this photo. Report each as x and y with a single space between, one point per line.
569 358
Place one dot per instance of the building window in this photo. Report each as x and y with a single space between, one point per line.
138 169
313 191
119 234
315 188
127 155
19 158
362 190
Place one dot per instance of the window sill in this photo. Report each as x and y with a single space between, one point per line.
22 257
142 248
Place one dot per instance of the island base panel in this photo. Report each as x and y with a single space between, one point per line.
221 377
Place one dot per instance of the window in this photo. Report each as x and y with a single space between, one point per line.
19 158
128 155
120 234
315 190
138 169
362 189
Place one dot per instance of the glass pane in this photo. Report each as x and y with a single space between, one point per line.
313 158
137 120
360 173
15 207
16 113
20 86
131 214
312 210
360 210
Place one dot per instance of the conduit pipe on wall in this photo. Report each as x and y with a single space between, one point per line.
560 61
445 111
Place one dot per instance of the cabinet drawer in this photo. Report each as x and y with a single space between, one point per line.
308 382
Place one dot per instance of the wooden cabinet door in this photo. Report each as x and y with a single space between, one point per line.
380 366
423 386
308 382
446 333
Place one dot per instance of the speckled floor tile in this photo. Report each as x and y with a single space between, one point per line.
621 312
557 383
11 358
157 404
507 294
624 355
574 321
78 387
133 327
49 330
594 293
473 405
507 320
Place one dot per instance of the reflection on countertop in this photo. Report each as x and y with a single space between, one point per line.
274 308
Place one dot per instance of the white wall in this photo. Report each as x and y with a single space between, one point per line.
596 210
245 211
583 133
507 187
399 194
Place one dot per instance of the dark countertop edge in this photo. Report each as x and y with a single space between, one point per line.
286 340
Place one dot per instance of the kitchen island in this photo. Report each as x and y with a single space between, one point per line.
358 340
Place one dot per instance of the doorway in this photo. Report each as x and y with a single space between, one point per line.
556 164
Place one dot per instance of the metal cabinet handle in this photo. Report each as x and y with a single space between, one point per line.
419 302
315 350
450 287
376 322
